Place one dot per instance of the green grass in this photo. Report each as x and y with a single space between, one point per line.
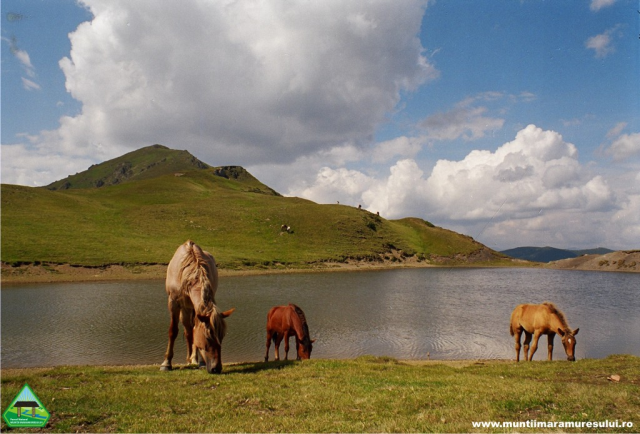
237 220
367 394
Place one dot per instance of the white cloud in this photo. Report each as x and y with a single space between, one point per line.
602 44
624 147
29 85
399 147
239 82
25 62
335 185
596 5
465 122
530 189
616 130
44 166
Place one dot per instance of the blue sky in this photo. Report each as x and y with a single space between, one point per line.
517 123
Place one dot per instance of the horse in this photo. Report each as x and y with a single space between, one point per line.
284 321
192 281
541 319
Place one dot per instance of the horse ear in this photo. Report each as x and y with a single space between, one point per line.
575 332
560 332
228 313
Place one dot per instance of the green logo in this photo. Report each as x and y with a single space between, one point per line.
26 411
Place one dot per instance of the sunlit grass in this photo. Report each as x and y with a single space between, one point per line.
144 222
367 394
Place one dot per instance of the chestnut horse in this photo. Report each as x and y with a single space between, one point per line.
284 321
192 281
541 319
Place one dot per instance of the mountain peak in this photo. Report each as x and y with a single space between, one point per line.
144 163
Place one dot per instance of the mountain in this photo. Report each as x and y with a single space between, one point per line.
548 254
151 162
136 209
620 261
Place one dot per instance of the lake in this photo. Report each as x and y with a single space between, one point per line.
406 314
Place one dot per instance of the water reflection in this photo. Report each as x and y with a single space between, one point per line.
447 313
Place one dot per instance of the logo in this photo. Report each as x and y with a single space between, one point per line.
26 411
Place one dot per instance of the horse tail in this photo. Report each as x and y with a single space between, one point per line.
511 329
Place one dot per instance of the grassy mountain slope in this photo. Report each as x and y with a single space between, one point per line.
225 210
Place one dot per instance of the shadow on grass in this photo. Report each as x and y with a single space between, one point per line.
253 367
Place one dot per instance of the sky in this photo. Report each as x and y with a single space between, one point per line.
514 122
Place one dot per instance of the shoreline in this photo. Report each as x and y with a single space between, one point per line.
66 273
453 363
43 272
456 363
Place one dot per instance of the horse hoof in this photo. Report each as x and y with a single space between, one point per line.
166 368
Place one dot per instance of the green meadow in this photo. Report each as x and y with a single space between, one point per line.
167 197
368 394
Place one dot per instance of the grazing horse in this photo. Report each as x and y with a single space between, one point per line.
284 321
192 281
541 319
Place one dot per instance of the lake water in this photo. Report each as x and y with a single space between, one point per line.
406 314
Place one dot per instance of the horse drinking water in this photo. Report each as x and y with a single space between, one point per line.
284 321
541 319
192 281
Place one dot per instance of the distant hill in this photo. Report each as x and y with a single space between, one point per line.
151 162
548 254
137 208
621 261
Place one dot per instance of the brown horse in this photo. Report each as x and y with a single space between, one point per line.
192 281
284 321
541 319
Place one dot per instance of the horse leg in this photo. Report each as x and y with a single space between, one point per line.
276 343
269 337
518 335
527 341
550 337
297 348
174 313
534 347
188 320
286 345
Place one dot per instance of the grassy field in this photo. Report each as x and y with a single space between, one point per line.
367 394
143 219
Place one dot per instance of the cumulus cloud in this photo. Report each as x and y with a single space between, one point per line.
527 182
43 166
625 147
602 44
335 185
239 82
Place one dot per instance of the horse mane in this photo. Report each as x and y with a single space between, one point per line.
218 325
303 320
194 275
557 312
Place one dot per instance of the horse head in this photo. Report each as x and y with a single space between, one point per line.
304 348
208 332
569 342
